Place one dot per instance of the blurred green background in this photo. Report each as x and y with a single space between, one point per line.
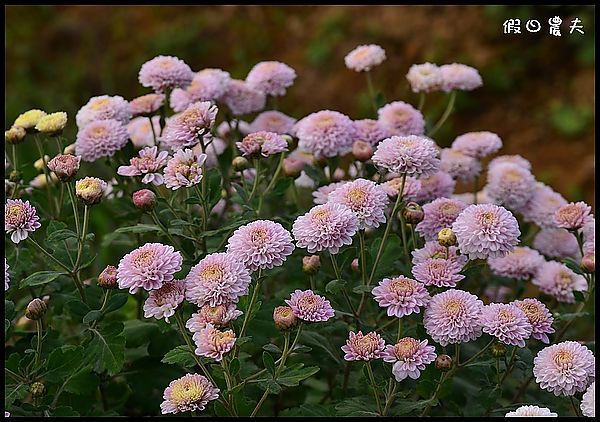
537 94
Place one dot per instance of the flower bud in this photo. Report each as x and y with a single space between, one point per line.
311 264
362 150
292 167
413 213
36 309
29 119
588 263
355 266
65 166
40 164
240 163
497 350
70 149
52 124
37 389
15 176
446 237
90 190
144 199
41 180
284 318
108 277
14 135
443 363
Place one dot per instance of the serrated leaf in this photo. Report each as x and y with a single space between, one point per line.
181 355
570 316
140 228
108 348
291 376
356 406
40 278
193 200
138 332
270 385
269 362
335 286
92 316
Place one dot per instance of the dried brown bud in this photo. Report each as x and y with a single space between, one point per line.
443 363
446 237
413 213
37 389
36 309
497 350
284 318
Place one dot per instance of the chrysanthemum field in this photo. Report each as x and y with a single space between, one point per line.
257 263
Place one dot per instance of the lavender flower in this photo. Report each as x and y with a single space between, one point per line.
572 216
477 144
184 169
208 85
521 264
531 410
187 394
588 406
461 77
309 306
361 346
409 357
542 204
438 185
212 343
410 191
401 119
508 323
401 296
411 155
556 243
559 281
146 105
439 214
458 165
438 272
272 78
364 57
367 200
148 267
424 77
510 185
273 121
370 131
163 302
100 138
191 126
433 249
321 195
240 98
149 163
325 133
103 107
262 143
20 219
164 73
218 316
539 317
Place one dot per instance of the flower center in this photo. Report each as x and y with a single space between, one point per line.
99 131
563 358
325 121
512 176
14 214
505 316
212 273
564 280
308 303
533 312
165 64
321 215
186 392
144 258
402 286
448 208
406 348
356 196
97 104
454 308
259 235
487 218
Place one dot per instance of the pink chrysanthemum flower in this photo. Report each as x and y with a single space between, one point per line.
508 323
261 244
572 216
187 128
539 317
103 107
325 133
588 230
411 189
469 199
20 219
262 143
187 394
208 85
510 159
364 57
273 121
212 343
140 131
370 131
164 73
146 105
148 267
100 138
461 77
559 281
401 119
458 165
401 296
218 316
453 317
543 202
309 306
438 185
438 214
365 198
163 302
6 275
240 98
328 226
565 368
409 357
556 243
438 272
531 410
184 169
521 264
424 77
149 163
411 155
180 99
217 279
510 185
486 231
321 195
361 346
477 144
433 249
271 77
588 402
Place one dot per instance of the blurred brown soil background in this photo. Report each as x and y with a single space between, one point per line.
537 93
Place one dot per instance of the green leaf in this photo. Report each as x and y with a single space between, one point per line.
573 265
291 376
269 362
403 407
241 192
282 185
9 309
14 392
62 362
92 316
64 411
116 302
193 200
234 367
138 332
40 278
579 296
270 385
61 235
272 348
108 348
6 325
357 406
335 286
140 228
181 355
569 317
362 289
380 99
213 183
83 383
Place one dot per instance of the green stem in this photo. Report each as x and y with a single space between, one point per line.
336 269
45 252
475 190
152 128
399 329
509 367
421 101
403 232
15 376
435 393
457 353
38 354
86 217
166 232
181 326
363 256
575 409
255 184
46 174
251 305
477 354
390 399
375 393
371 91
447 112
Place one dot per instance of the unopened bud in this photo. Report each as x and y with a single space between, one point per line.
443 363
36 309
70 149
90 190
588 263
311 264
108 277
362 150
65 166
355 266
284 318
289 139
413 213
40 163
144 199
446 237
37 389
240 164
292 167
14 135
497 350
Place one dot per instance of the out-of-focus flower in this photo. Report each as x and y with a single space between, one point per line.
271 77
184 169
401 296
103 107
140 131
218 316
191 126
508 323
438 185
362 151
588 402
90 190
149 163
364 57
20 219
370 131
458 165
367 200
100 138
409 357
325 133
424 77
273 121
311 264
531 410
438 272
309 306
163 302
439 214
187 394
241 98
410 155
329 226
208 85
29 119
6 275
477 144
410 191
559 281
52 124
401 119
565 368
14 135
461 77
510 159
148 267
262 143
510 185
164 73
521 264
539 317
556 243
321 195
433 249
146 105
292 167
361 346
542 203
572 216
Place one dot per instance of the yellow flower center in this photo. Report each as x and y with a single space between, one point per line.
402 285
533 312
563 358
259 235
186 392
406 348
356 196
454 307
212 273
506 316
99 103
98 131
321 215
144 258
